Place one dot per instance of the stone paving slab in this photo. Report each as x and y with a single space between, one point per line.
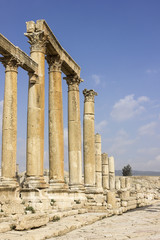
139 224
54 229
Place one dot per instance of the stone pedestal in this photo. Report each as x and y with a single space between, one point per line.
35 119
118 184
111 199
74 133
9 127
89 139
128 183
56 138
123 182
111 173
105 171
98 162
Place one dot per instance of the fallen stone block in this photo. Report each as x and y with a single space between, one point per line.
4 227
31 221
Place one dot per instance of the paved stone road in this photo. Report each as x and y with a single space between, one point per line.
140 224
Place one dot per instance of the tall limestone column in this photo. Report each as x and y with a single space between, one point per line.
56 138
89 139
74 133
9 129
111 173
98 161
105 171
35 118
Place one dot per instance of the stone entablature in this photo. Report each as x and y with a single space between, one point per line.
9 50
69 66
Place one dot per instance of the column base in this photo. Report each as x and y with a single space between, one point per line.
35 182
90 188
8 182
99 190
57 185
77 187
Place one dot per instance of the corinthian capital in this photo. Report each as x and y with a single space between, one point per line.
10 63
89 95
37 40
73 82
54 62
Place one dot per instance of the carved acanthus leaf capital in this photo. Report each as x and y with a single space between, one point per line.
37 41
73 82
10 63
54 62
89 95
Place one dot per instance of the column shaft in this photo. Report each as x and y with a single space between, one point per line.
111 173
88 138
98 161
35 119
105 171
56 138
9 127
74 133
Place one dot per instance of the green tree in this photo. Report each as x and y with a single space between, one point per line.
127 170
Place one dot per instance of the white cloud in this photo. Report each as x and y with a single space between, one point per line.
100 126
152 71
157 158
148 151
96 79
154 163
121 143
1 111
148 129
128 107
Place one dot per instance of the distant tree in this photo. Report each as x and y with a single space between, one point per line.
127 170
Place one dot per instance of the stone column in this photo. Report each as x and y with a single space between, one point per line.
89 138
111 173
98 161
35 119
105 171
56 138
123 182
74 133
9 128
118 184
128 182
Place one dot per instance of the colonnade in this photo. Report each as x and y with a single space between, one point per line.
98 170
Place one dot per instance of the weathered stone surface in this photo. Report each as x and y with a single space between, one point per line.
89 138
32 221
12 207
98 161
138 225
4 227
105 171
74 132
35 117
7 48
56 139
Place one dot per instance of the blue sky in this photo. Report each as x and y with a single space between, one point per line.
116 43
